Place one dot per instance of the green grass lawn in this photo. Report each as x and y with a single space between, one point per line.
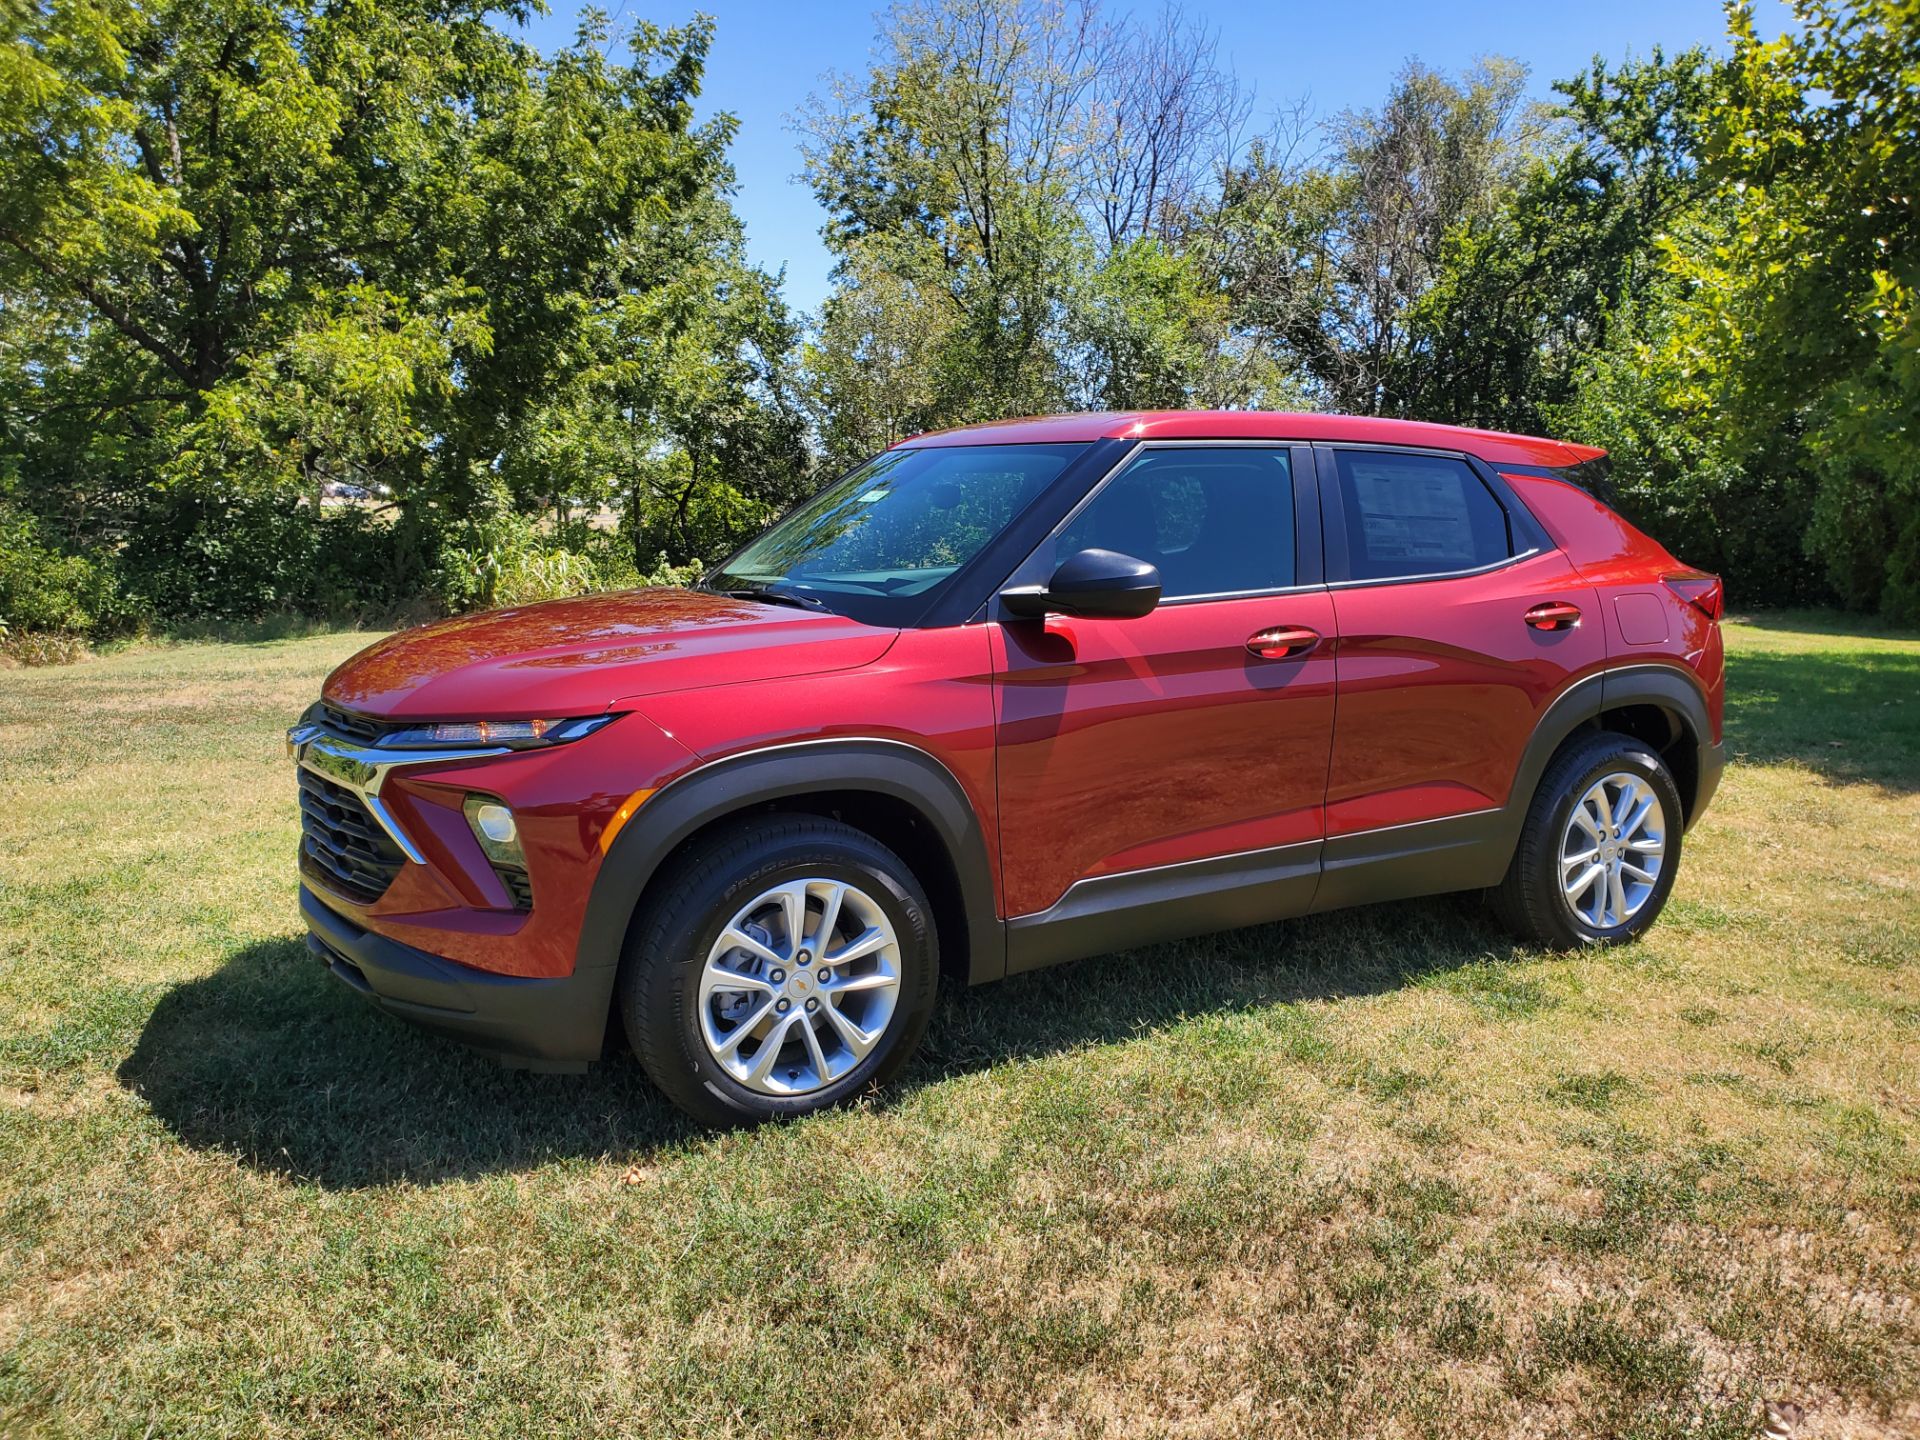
1379 1173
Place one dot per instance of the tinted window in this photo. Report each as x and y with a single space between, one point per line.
1417 515
878 543
1213 521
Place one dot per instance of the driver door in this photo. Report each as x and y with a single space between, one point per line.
1173 765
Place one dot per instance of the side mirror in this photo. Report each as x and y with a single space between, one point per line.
1092 584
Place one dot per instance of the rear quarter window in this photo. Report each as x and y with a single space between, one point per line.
1408 515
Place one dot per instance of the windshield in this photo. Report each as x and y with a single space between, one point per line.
879 543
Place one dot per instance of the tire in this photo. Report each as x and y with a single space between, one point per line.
745 873
1533 901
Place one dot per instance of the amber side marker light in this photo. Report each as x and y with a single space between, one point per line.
620 817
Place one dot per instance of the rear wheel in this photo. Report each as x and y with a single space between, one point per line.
1600 848
787 964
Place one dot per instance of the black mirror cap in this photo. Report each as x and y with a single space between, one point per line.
1092 584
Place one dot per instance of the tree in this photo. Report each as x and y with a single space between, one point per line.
949 166
1801 317
1016 194
1332 258
1163 116
252 247
1524 293
1736 506
873 363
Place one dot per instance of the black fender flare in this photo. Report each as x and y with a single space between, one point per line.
734 783
1668 686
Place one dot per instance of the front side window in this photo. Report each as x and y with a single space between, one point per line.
1409 515
1213 521
878 544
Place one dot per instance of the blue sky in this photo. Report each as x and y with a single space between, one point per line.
769 56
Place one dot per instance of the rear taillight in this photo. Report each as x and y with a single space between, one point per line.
1700 590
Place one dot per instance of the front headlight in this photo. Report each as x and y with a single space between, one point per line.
516 734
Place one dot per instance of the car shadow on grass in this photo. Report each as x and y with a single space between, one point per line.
1850 718
271 1061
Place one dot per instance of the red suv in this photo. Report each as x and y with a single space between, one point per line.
1003 697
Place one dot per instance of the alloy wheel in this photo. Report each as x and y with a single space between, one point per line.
799 987
1612 850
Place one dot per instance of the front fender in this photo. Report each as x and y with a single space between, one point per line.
742 782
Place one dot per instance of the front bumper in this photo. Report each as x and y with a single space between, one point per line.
557 1023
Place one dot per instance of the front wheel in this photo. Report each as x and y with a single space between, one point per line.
1600 848
788 963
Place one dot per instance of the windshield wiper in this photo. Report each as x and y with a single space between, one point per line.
775 597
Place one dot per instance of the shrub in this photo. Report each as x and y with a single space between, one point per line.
40 647
220 556
239 556
506 559
45 589
365 565
201 557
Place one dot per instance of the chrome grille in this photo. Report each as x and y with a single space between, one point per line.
348 725
341 844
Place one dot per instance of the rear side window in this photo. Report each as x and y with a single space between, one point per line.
1409 515
1214 521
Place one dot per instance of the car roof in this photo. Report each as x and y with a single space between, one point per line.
1493 446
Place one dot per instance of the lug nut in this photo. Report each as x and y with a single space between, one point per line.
777 976
813 1004
825 974
803 958
783 1005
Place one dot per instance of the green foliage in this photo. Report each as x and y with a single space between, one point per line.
506 559
1010 194
1144 322
1527 293
231 554
42 588
1738 512
1703 265
1439 156
872 364
256 249
1802 316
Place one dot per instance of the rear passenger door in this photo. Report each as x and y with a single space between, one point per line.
1459 623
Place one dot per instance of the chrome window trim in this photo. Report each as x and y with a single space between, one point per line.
1217 595
1486 569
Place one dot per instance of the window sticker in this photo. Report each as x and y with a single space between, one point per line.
1413 517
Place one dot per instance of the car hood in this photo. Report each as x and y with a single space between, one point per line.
574 657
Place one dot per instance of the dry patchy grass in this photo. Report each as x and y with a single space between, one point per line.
1382 1173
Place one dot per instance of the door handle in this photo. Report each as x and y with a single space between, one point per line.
1283 642
1553 615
